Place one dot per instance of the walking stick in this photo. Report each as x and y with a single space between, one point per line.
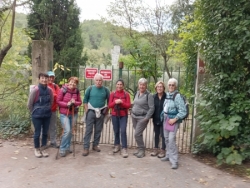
61 135
73 129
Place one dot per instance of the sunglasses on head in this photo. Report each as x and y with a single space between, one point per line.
171 85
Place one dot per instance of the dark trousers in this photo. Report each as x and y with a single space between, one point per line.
158 130
120 126
41 124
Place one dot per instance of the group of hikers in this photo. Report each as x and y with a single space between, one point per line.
167 109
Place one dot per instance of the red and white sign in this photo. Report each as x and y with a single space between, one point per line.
106 73
90 72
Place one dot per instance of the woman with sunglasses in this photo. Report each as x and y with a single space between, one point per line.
174 111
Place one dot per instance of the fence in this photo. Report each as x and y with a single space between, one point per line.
130 78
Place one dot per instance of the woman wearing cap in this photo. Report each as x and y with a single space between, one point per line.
68 100
119 101
159 98
142 110
52 127
39 105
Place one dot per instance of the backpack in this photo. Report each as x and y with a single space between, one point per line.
65 91
185 102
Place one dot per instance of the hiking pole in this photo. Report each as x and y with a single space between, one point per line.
73 129
61 135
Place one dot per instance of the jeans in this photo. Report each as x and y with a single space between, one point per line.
52 128
120 126
40 124
97 124
66 122
139 125
158 130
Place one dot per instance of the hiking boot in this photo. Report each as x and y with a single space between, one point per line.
38 153
69 151
165 158
116 149
124 153
62 153
174 166
54 145
162 153
136 152
44 152
141 153
85 152
155 152
96 148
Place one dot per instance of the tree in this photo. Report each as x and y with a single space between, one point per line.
224 109
136 15
11 8
58 21
14 73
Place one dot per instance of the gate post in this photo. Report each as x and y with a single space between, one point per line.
42 58
200 75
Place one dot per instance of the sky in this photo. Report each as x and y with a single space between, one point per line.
93 9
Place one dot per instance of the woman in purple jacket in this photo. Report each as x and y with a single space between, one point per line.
69 98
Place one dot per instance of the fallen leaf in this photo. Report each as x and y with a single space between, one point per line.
13 158
25 158
32 168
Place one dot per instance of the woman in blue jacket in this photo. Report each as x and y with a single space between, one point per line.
174 111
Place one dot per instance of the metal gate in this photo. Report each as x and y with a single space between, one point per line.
130 78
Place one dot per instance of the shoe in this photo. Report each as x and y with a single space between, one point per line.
116 149
38 153
165 159
141 153
124 153
54 145
162 153
174 166
155 152
136 152
62 153
69 151
96 148
44 152
85 152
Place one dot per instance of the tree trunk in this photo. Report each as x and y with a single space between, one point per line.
5 49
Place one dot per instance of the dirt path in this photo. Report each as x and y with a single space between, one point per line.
20 169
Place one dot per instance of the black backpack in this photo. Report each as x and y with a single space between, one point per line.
185 102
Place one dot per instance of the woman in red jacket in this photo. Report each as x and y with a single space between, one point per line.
68 98
119 101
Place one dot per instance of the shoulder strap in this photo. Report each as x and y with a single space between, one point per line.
37 93
175 95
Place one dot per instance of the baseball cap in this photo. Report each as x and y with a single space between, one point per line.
51 73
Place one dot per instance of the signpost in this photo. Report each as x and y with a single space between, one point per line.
106 73
90 73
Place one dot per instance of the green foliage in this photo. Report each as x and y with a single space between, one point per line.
58 21
14 83
14 126
223 111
